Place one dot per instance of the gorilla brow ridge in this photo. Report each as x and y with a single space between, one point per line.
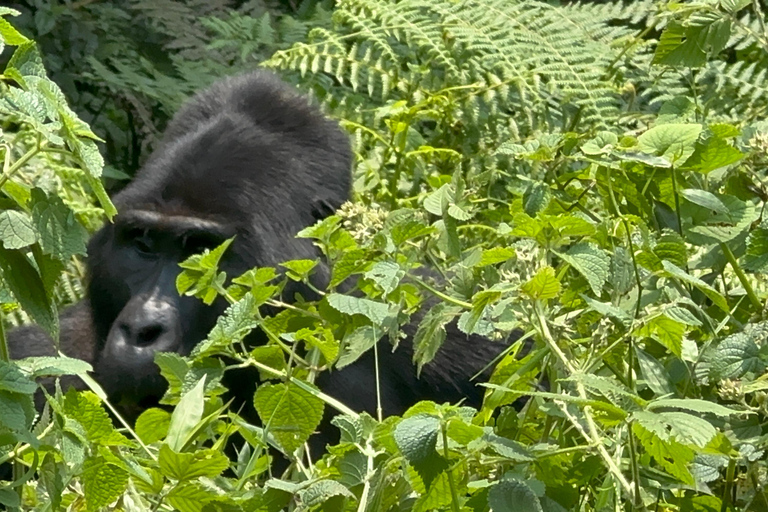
175 224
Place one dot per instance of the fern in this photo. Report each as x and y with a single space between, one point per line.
541 62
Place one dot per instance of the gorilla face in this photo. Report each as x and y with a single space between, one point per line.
138 310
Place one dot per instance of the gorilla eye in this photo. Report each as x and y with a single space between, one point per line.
141 241
197 243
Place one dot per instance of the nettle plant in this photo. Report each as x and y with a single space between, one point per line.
618 229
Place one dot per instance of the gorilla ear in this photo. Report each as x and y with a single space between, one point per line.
322 208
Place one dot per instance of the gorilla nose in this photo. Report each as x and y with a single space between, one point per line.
143 335
150 325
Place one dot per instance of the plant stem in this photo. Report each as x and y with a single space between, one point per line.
753 298
454 493
18 164
438 293
5 354
593 436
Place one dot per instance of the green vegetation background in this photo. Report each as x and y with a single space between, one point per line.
592 175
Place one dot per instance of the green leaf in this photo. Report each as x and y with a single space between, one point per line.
357 343
672 456
232 327
416 437
47 366
85 407
16 411
187 466
707 290
693 405
536 198
655 375
289 412
10 35
386 274
376 312
299 270
544 285
739 353
186 416
674 142
512 495
603 143
152 425
11 379
28 288
495 255
321 491
690 45
16 229
591 262
666 331
61 235
756 259
103 482
431 333
714 153
189 497
706 199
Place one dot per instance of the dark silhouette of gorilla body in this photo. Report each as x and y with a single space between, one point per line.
249 158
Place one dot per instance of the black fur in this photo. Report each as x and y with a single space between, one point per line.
247 157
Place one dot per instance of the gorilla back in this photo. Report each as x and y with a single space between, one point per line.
248 158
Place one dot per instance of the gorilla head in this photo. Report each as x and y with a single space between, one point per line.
248 158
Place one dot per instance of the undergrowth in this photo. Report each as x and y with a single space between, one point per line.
591 176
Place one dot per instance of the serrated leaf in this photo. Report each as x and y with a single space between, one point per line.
85 407
376 312
188 466
495 255
544 285
739 353
11 379
103 482
61 235
289 412
321 491
386 274
666 331
673 456
299 270
16 229
189 497
536 198
357 343
47 366
431 333
756 259
416 437
232 327
591 262
152 425
512 495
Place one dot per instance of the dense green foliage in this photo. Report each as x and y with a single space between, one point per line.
593 176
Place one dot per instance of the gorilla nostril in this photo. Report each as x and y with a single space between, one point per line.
148 335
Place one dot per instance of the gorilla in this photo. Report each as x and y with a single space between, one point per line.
249 158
